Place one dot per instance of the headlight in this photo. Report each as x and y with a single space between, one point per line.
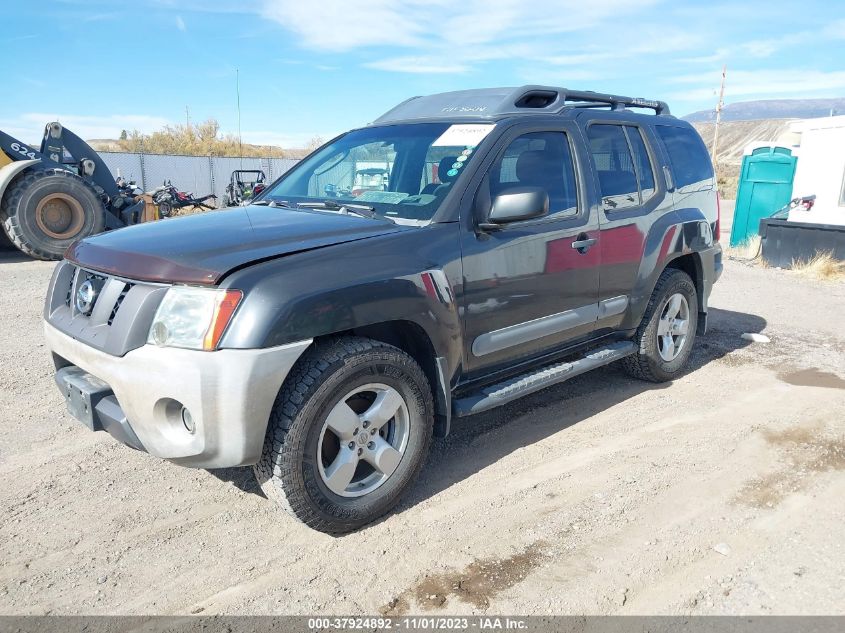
194 318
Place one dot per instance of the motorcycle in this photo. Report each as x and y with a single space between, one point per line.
127 188
169 199
128 193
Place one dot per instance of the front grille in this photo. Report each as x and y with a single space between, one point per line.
120 317
126 288
79 277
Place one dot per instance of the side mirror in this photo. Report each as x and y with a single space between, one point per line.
515 204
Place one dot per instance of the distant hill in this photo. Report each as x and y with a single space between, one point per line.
735 136
104 144
772 109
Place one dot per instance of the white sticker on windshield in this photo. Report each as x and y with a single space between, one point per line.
464 134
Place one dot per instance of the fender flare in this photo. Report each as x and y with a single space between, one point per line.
674 235
8 172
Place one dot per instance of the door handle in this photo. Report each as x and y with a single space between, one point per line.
583 243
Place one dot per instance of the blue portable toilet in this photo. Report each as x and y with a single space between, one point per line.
765 185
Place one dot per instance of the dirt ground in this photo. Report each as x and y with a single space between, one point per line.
723 492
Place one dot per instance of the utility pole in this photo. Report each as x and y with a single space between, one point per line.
187 118
719 106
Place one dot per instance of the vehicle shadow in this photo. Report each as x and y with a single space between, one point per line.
13 256
481 440
240 477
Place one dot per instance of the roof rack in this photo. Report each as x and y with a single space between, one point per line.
590 99
491 103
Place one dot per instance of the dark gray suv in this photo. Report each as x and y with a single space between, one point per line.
513 238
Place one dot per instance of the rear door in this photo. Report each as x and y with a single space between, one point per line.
632 196
527 289
690 169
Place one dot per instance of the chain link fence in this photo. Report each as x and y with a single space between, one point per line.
199 175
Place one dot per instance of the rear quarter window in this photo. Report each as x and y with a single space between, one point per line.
687 154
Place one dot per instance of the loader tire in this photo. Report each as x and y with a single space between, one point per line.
5 242
45 210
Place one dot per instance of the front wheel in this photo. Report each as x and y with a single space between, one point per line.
348 434
667 331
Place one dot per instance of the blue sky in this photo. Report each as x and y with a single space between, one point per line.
321 67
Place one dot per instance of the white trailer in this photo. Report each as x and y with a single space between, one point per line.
818 226
820 170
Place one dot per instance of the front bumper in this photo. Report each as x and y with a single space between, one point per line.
229 394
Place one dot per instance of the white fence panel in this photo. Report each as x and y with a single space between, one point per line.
126 165
200 175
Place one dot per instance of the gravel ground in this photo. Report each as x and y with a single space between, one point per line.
723 492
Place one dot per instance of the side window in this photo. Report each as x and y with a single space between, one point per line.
645 170
687 154
615 166
539 159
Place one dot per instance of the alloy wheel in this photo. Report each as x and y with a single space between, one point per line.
673 327
363 440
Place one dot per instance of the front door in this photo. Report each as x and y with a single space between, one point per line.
528 287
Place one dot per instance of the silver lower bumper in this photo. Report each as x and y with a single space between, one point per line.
229 394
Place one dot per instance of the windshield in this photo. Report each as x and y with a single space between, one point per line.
402 172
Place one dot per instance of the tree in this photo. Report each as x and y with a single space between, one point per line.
203 139
314 143
123 135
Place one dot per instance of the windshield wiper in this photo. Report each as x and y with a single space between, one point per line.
358 209
274 203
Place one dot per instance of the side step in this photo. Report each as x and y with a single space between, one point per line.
504 392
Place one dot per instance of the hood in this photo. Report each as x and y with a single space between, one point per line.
202 249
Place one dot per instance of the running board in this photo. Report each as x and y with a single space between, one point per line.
504 392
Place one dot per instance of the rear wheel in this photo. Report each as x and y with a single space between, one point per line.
348 434
45 210
165 210
666 334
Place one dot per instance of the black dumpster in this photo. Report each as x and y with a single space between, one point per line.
784 241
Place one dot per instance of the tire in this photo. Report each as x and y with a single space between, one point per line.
299 449
45 210
5 243
654 360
